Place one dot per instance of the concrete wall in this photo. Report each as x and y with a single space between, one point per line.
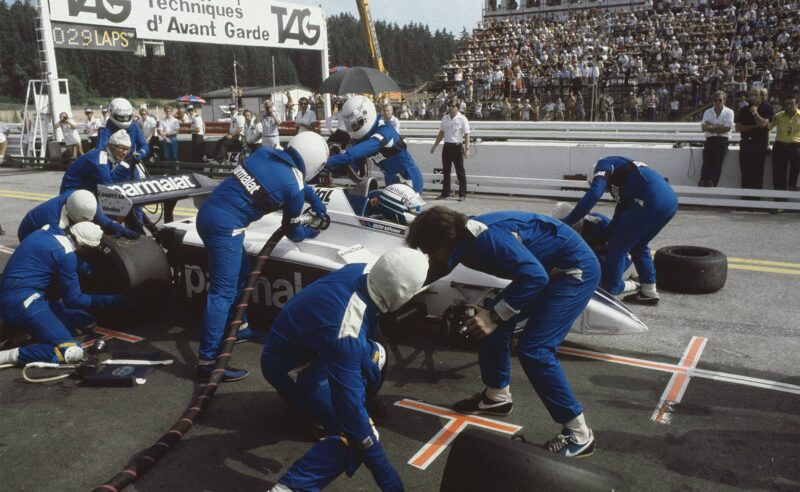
554 160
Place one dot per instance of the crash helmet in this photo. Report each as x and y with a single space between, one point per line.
121 138
86 234
561 210
358 115
121 112
396 277
309 151
81 206
399 203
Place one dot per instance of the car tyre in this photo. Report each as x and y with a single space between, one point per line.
691 269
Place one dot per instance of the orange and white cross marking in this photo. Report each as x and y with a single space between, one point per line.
456 423
111 334
674 391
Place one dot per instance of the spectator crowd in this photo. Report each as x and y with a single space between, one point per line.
655 64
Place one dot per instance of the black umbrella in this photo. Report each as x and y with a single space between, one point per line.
358 80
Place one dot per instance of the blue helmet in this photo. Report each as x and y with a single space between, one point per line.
399 203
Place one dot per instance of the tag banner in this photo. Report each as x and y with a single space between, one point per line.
230 22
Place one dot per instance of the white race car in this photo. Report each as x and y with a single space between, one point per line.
350 238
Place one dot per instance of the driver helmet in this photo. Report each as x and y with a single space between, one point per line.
399 203
359 116
121 112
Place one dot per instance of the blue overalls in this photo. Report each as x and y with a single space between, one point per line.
385 148
594 232
87 171
645 204
553 274
328 325
50 212
267 181
43 267
139 145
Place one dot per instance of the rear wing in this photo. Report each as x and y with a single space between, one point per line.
118 198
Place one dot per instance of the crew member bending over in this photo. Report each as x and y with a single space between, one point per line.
553 274
267 181
328 327
645 204
47 261
94 167
378 142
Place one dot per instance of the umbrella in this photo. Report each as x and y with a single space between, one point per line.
358 80
191 100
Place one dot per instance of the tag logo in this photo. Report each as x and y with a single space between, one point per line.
297 27
110 10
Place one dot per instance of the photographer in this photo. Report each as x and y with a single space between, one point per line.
270 123
71 138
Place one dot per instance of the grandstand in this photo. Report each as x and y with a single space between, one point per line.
625 62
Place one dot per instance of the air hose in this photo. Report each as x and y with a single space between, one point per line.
142 462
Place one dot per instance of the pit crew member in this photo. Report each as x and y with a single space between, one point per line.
94 167
553 274
47 261
69 208
328 325
121 118
378 142
645 204
267 181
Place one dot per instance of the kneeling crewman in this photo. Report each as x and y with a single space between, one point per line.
67 209
553 275
329 325
44 263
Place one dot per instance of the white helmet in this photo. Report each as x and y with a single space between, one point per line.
396 277
120 112
120 137
86 234
81 205
358 115
309 151
399 203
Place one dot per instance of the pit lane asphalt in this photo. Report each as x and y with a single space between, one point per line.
722 436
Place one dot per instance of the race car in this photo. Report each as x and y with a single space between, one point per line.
351 237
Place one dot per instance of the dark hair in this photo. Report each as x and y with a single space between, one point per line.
435 228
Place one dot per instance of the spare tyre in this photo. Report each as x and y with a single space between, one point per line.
691 269
136 268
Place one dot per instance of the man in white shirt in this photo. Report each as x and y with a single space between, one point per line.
91 126
148 126
387 111
232 142
305 118
198 132
717 124
252 131
270 126
168 130
454 129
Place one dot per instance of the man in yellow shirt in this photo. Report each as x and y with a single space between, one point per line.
786 151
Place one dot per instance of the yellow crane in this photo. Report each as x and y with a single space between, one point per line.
370 35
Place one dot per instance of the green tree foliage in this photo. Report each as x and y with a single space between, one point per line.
411 54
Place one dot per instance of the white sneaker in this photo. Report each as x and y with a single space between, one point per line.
630 286
649 290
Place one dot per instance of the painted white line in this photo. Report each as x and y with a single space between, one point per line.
697 373
6 250
673 393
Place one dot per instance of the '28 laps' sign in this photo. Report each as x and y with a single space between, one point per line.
237 22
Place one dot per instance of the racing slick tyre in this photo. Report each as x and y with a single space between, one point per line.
480 460
136 268
691 269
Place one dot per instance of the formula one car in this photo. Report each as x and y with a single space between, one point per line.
350 238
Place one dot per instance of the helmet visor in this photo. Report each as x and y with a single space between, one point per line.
355 124
122 118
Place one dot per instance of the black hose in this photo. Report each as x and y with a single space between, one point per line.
142 462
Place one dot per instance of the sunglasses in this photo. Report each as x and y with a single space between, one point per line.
718 100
